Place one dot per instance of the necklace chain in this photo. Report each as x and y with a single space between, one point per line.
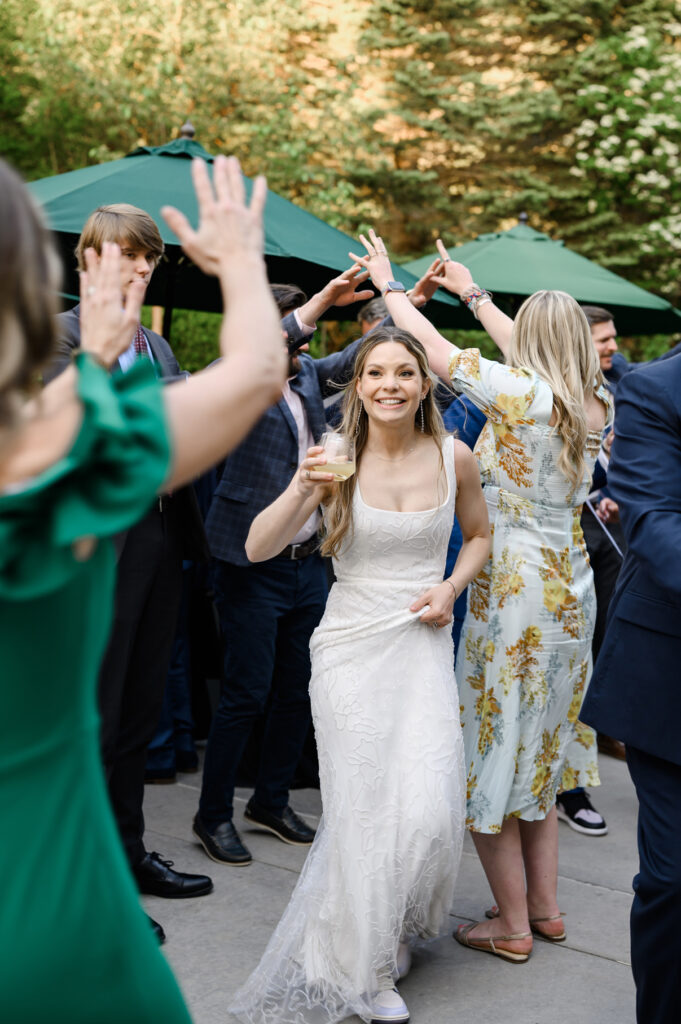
398 459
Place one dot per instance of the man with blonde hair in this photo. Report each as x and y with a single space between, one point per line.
149 576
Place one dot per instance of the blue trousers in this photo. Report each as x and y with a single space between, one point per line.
656 910
268 612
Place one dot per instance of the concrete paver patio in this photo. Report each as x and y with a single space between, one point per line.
215 941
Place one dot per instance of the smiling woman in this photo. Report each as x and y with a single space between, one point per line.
384 698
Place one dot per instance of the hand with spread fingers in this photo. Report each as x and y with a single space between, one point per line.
342 290
229 229
107 320
376 259
455 277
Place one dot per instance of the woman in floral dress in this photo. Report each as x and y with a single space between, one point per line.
526 643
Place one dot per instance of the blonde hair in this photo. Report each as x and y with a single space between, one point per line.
120 223
355 424
551 336
30 273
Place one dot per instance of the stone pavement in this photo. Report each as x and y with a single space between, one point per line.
215 941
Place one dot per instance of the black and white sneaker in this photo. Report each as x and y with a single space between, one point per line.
580 814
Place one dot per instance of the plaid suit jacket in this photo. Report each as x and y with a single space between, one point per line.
262 466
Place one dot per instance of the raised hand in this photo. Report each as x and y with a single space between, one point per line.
426 286
342 290
454 276
376 260
107 321
228 229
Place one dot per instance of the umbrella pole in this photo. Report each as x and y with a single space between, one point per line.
170 296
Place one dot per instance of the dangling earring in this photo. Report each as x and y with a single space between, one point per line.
359 416
423 425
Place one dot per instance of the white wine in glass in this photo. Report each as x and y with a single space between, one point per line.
340 455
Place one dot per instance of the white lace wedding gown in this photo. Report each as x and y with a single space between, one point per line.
386 715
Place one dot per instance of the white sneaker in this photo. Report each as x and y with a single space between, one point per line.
389 1006
402 961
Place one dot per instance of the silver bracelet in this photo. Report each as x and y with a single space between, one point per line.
453 588
478 303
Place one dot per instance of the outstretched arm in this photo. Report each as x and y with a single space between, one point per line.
471 511
340 291
456 278
277 525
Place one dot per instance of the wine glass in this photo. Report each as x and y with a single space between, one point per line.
340 455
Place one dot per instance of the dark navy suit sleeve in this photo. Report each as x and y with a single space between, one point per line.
644 475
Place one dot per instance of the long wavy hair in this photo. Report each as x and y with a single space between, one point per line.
29 278
355 423
551 336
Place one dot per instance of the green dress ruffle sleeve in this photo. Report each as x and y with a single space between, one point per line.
104 484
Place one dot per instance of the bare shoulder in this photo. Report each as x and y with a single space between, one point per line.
48 428
464 460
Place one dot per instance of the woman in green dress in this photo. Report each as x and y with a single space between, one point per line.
78 463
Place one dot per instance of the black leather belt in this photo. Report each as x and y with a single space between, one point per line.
296 551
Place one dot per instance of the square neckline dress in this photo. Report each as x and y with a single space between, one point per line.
385 707
76 944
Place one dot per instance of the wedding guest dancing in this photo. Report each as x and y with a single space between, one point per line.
525 652
384 701
78 463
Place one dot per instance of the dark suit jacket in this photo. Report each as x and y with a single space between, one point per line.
68 329
262 466
185 512
635 690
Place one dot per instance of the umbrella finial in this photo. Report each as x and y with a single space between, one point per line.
187 130
523 218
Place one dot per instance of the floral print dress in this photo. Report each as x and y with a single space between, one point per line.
525 651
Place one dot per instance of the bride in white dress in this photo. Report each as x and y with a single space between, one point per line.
384 699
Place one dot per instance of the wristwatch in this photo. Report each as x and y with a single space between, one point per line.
392 286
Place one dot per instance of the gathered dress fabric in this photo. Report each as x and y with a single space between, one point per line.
76 946
525 652
383 865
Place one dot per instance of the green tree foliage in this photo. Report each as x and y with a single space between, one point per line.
420 116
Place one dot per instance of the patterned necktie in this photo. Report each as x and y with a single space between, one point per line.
140 342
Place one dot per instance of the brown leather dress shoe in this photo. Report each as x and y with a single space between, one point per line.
613 748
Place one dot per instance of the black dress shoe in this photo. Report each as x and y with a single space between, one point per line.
287 826
222 843
158 931
156 877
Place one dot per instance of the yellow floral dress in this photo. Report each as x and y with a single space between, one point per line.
525 651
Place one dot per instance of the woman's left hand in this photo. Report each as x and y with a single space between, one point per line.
441 605
376 260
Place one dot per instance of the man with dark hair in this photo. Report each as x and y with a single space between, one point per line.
148 579
269 610
371 314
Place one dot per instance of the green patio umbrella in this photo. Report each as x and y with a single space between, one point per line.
514 264
299 247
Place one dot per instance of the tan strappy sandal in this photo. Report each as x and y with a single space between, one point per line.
534 921
488 944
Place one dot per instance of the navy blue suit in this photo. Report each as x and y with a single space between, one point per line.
635 690
268 610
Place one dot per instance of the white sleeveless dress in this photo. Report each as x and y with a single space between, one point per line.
386 714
